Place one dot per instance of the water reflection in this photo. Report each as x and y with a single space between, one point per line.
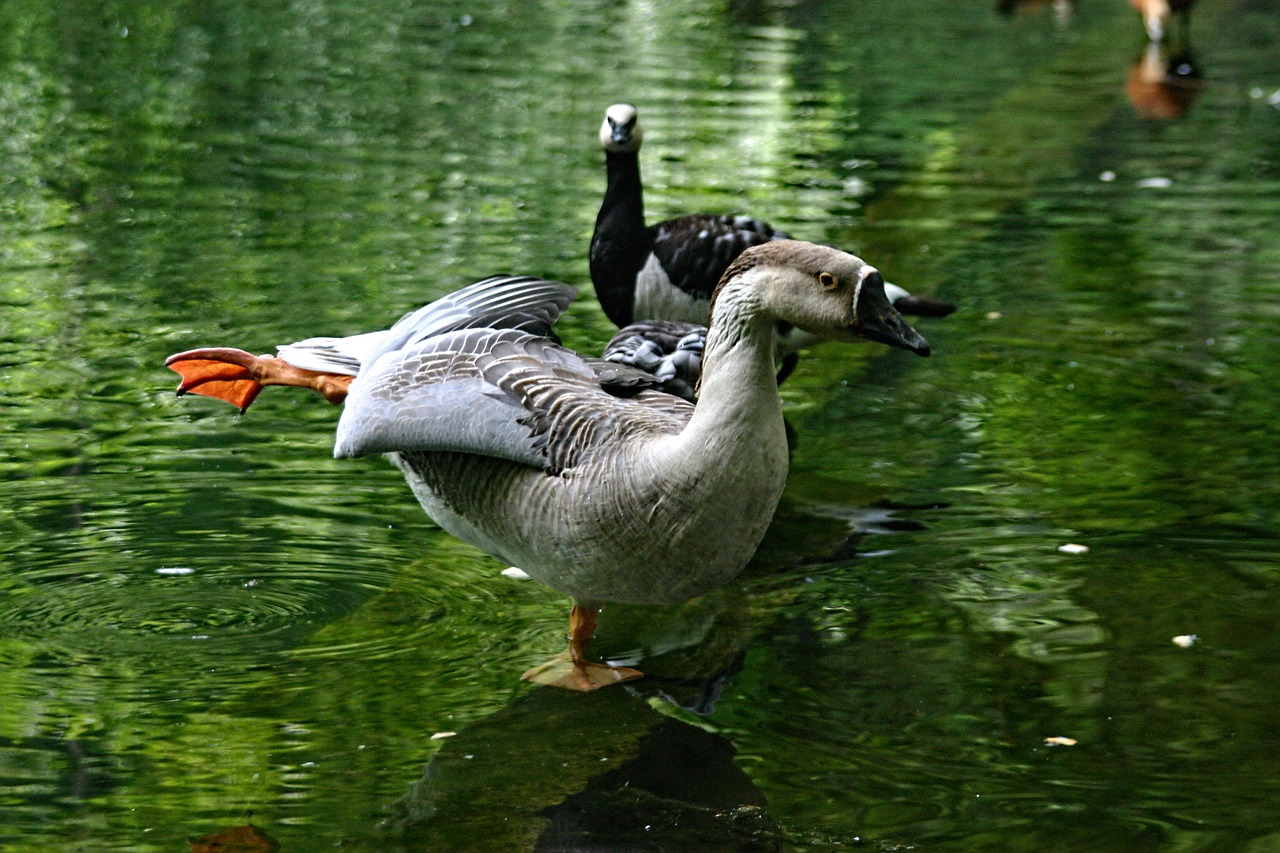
599 771
1164 81
313 164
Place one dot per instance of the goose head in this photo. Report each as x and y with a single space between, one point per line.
821 290
620 133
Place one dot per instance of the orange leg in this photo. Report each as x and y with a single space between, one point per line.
238 377
573 671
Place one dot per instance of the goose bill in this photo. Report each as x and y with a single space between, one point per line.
877 320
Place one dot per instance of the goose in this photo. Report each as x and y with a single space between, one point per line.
669 270
669 350
579 471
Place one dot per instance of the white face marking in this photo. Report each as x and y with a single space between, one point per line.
621 117
658 299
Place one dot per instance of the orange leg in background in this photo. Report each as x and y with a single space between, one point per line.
238 377
571 670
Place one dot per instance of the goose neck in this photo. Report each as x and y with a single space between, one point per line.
738 373
624 194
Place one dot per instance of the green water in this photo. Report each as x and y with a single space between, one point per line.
207 622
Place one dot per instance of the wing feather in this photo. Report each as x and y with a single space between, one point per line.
499 302
695 250
500 393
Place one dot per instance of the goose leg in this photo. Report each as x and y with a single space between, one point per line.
571 670
238 377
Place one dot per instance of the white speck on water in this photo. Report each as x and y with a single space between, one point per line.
1073 548
442 735
1185 641
515 573
856 187
1107 176
175 570
1155 183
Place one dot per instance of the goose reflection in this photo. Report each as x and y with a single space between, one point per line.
1163 81
557 770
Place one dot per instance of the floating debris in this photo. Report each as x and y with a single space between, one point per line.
1185 641
516 573
1155 183
175 570
1073 548
442 735
1060 741
1107 176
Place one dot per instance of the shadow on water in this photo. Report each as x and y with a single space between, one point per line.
601 771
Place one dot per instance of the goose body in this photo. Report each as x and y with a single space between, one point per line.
669 270
578 470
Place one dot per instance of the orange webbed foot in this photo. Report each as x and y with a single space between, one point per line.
570 669
223 373
237 377
565 672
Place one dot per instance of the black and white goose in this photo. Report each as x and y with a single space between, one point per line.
568 466
668 271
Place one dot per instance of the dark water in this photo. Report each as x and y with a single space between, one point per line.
206 622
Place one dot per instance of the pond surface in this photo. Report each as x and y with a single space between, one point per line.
207 623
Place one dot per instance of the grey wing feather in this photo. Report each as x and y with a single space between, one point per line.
499 393
433 396
499 302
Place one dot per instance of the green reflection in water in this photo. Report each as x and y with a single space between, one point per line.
206 622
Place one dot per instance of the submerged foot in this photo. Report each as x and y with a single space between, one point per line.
565 672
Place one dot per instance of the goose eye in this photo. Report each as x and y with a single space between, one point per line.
827 280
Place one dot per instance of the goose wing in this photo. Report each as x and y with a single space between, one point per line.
502 393
499 302
670 350
695 250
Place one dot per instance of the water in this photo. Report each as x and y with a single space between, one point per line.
206 622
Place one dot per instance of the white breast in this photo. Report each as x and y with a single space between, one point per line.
657 298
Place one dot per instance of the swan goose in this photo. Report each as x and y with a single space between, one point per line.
577 470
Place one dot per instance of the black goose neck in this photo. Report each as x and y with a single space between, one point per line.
624 194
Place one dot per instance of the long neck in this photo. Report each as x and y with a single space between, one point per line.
623 206
621 243
738 394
